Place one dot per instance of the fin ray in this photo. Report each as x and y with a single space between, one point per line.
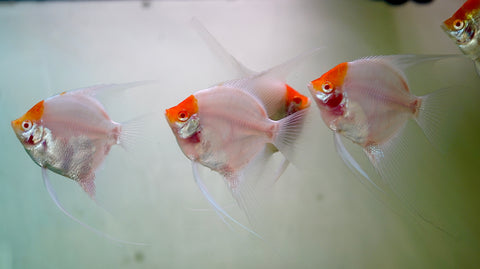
433 110
218 209
96 89
382 158
219 50
350 161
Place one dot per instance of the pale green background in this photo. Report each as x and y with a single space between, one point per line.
320 215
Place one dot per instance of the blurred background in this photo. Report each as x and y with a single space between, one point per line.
318 215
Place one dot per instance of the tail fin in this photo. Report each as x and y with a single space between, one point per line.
131 131
289 130
433 110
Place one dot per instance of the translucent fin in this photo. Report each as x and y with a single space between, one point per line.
250 185
289 130
219 50
385 158
433 110
404 61
273 77
281 71
88 185
96 89
218 209
281 169
230 205
477 66
53 195
269 86
350 161
133 131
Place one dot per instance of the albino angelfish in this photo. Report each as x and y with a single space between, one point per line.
227 129
368 101
71 134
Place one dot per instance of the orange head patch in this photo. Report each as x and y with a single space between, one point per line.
331 80
26 121
464 13
183 111
295 99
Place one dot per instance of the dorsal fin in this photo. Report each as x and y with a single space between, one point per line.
219 50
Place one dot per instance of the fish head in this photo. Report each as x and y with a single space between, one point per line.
28 128
462 26
295 101
183 118
328 93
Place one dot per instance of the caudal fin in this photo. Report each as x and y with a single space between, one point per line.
290 128
133 131
433 111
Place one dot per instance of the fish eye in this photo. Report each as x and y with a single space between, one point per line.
458 24
27 125
183 115
327 87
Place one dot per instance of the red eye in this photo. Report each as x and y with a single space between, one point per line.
458 24
327 87
183 115
26 125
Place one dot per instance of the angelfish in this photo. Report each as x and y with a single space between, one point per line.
368 101
269 86
227 129
463 28
71 134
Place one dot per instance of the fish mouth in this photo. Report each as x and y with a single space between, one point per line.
312 89
16 126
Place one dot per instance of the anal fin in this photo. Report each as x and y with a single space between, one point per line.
54 197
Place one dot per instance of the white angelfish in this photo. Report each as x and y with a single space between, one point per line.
71 134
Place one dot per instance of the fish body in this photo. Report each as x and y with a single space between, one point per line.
225 129
369 101
228 130
463 28
235 126
70 134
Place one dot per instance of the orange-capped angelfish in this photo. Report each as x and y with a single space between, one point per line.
279 98
368 101
227 128
71 134
463 27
